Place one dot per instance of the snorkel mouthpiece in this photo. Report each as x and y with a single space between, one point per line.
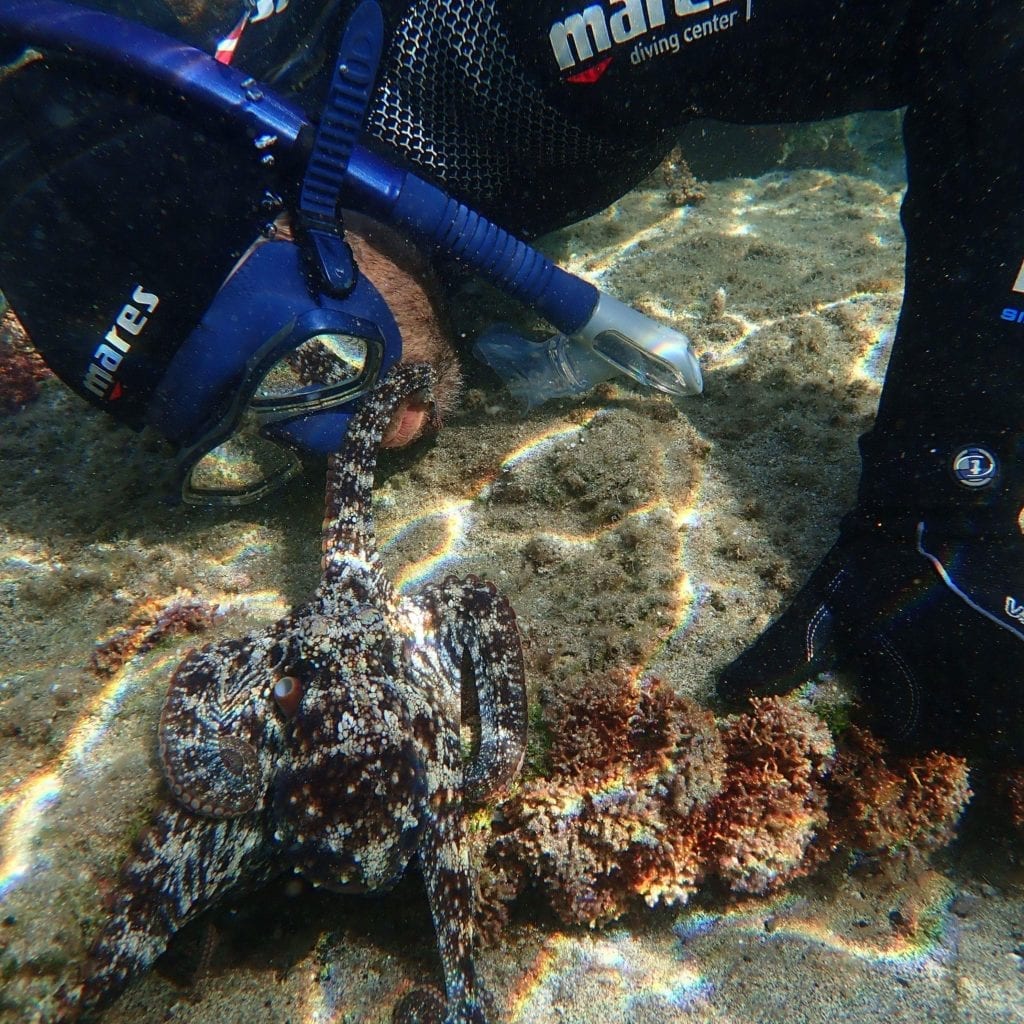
616 339
651 353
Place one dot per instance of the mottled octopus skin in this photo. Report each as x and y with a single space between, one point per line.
329 744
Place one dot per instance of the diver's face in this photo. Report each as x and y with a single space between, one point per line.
414 299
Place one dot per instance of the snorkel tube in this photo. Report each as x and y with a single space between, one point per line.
191 80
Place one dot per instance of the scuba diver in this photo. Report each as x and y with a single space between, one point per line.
534 115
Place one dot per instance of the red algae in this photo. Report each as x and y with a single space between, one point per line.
648 798
895 806
149 623
21 367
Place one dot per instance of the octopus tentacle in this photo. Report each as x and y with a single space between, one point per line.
183 865
348 522
448 877
477 628
208 757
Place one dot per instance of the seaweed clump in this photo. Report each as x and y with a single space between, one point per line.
647 798
1013 793
21 367
761 829
151 622
895 807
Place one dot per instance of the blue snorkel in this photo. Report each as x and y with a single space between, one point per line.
341 172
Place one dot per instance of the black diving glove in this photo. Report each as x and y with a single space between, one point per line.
926 614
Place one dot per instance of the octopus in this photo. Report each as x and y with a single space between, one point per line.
330 744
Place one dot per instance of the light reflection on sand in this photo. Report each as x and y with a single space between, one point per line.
628 977
929 948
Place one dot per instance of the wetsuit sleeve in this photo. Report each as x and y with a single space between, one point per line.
961 332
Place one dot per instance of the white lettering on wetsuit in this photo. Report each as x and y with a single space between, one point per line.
580 37
100 376
672 43
1014 609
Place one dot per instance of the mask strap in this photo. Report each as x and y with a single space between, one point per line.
319 221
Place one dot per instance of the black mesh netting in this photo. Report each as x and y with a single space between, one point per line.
456 102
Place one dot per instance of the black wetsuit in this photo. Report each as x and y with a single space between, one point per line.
542 112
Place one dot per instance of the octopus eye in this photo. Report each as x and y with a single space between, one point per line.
288 693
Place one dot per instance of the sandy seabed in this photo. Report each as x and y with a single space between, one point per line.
626 529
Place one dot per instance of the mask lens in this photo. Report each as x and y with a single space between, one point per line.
323 367
324 372
240 469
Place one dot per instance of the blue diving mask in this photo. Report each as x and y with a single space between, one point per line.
269 372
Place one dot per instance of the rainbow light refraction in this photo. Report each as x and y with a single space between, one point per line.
680 511
630 979
929 948
458 515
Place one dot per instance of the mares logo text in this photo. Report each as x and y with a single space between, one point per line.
580 37
132 318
